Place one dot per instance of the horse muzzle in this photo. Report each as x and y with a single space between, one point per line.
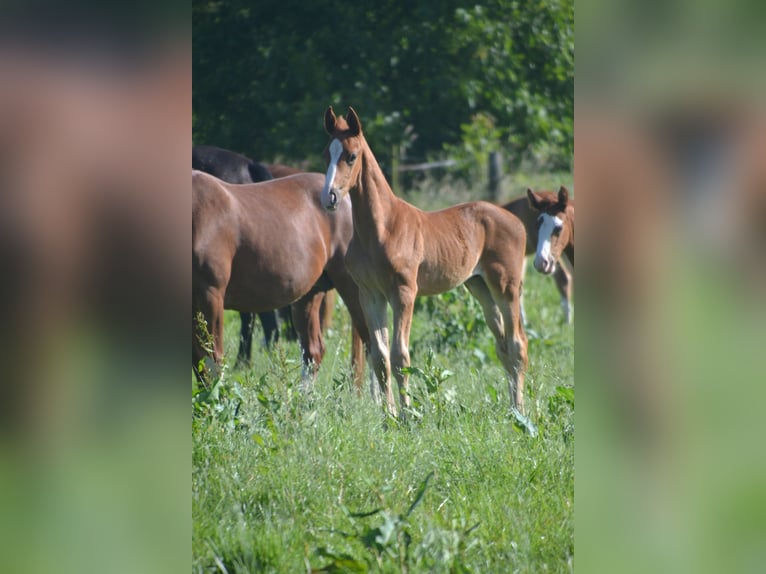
545 266
330 199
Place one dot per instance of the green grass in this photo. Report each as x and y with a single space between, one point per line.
281 479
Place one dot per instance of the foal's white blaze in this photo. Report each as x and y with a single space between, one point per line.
543 260
336 148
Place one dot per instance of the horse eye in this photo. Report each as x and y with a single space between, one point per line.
351 158
557 230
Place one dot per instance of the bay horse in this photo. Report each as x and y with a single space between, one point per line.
399 252
549 220
262 246
233 167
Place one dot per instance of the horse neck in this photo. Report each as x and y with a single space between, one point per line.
372 198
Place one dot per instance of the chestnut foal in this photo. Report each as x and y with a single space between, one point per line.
549 220
398 252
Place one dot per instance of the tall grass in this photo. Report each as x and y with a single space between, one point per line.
289 481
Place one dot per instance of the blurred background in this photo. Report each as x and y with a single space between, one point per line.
95 107
670 120
669 168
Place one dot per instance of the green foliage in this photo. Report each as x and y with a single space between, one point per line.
219 399
390 541
426 77
456 320
432 397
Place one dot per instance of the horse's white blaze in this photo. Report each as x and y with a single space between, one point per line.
543 260
336 148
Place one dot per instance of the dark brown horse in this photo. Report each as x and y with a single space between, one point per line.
549 220
262 246
233 167
399 252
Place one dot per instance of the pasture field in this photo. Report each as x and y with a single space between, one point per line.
285 481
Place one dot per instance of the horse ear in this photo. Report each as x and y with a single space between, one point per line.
533 199
354 125
329 120
563 196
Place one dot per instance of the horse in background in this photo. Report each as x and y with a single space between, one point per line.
399 252
549 220
280 170
233 167
266 245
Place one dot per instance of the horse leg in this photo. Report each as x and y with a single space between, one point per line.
270 328
508 300
357 358
374 306
306 320
564 285
245 352
503 315
478 288
403 305
211 307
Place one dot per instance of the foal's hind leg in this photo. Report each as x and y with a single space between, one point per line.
503 317
403 304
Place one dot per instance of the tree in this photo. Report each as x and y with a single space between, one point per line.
424 76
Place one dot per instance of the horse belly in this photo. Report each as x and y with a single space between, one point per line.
257 286
433 280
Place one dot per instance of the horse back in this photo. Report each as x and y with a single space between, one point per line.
457 240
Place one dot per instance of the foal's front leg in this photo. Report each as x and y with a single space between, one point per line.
403 304
374 306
